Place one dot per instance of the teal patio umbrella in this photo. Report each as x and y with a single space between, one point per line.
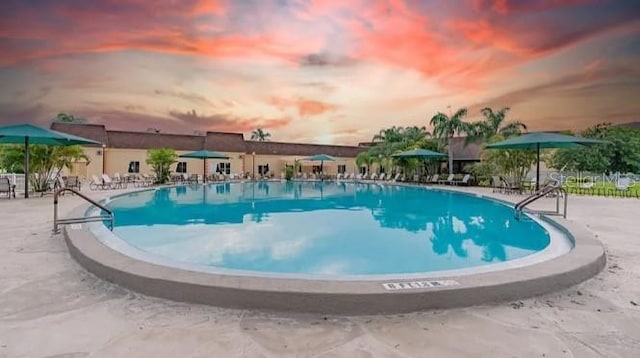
543 140
30 134
204 155
320 158
419 153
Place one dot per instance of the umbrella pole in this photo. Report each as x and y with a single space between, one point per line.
538 167
26 167
204 171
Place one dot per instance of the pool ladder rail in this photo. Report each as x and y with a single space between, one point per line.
554 189
102 217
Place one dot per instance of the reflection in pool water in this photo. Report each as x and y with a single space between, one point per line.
323 228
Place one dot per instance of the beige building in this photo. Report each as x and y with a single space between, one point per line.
126 152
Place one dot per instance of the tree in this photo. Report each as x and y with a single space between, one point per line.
445 128
621 153
389 141
260 135
45 162
69 118
493 124
366 159
161 161
510 163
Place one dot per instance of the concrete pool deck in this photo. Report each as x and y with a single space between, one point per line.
50 306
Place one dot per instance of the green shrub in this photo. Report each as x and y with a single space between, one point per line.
161 161
288 173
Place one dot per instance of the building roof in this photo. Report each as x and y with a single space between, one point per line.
149 140
470 151
280 148
225 142
635 125
214 141
96 132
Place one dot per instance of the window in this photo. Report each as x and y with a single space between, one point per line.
363 170
316 169
342 168
223 168
263 169
134 167
182 167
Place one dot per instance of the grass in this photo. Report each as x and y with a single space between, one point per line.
604 189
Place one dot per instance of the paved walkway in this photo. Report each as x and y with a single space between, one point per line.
51 307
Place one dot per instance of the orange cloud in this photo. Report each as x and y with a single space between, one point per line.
305 107
390 33
228 122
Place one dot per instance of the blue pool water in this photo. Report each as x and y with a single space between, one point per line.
323 228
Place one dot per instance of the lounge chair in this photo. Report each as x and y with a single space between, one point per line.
73 182
497 184
7 187
96 183
434 179
193 179
448 180
373 176
395 178
464 181
108 183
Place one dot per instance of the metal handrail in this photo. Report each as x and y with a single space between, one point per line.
520 206
85 219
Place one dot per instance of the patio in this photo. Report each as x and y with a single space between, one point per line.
50 306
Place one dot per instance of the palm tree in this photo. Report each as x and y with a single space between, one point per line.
69 118
389 135
366 159
260 135
415 134
493 124
446 127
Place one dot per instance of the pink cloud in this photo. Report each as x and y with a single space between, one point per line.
304 106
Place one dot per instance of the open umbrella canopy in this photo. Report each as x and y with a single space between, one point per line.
419 153
204 154
543 140
320 158
17 133
30 134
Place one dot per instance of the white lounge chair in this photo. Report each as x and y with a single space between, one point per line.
464 181
448 180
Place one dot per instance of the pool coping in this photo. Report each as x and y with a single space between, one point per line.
353 297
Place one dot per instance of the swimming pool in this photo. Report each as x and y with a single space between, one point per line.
325 230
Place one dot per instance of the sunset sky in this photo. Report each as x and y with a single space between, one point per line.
323 71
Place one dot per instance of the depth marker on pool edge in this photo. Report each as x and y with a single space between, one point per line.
394 286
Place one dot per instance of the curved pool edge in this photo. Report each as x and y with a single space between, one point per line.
338 297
